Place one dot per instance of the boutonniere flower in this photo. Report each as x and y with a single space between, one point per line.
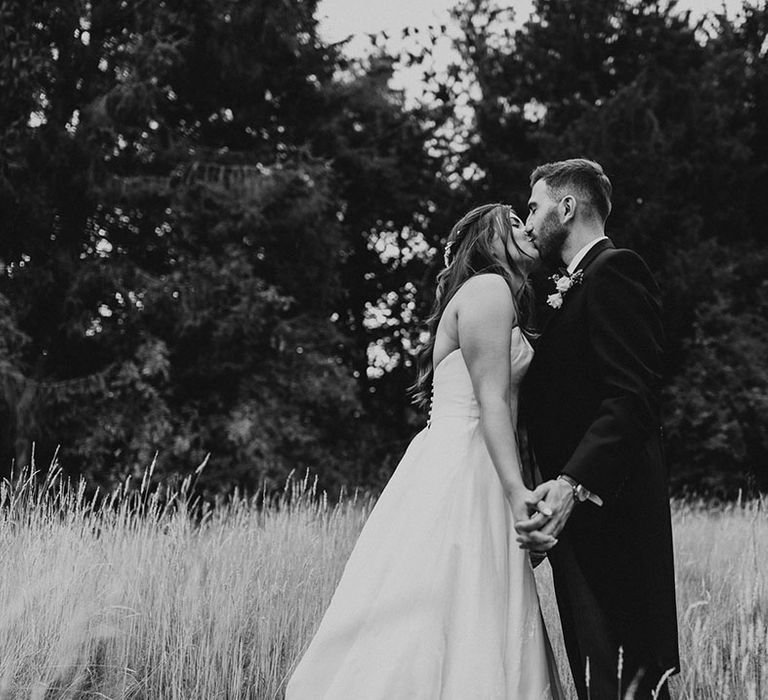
563 283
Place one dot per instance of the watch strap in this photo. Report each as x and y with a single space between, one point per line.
581 493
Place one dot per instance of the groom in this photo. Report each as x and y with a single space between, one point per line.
591 399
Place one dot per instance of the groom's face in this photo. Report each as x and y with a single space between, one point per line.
543 225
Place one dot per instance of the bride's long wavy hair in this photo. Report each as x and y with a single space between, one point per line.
468 252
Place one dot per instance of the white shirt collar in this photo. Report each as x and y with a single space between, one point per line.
580 255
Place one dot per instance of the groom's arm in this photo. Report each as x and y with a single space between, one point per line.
626 335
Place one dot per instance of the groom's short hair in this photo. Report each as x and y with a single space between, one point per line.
585 176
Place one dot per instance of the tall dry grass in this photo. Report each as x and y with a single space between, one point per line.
139 595
134 596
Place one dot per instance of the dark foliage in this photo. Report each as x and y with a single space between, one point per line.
219 234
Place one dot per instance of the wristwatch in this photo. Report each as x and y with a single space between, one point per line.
580 494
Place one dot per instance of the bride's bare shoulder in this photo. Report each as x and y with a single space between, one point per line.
484 290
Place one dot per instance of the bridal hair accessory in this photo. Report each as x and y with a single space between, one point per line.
563 283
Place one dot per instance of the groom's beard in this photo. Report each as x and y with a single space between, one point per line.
550 239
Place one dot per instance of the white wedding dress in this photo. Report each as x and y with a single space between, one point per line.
436 602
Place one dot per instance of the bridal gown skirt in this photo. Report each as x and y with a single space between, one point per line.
436 601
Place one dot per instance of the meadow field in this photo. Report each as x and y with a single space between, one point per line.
140 594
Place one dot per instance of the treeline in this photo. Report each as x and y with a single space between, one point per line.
220 234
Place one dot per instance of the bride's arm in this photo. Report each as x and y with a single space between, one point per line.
485 318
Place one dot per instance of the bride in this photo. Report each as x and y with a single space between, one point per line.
437 601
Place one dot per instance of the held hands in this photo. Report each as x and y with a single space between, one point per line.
548 508
528 506
524 504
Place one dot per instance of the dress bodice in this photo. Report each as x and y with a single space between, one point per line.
452 392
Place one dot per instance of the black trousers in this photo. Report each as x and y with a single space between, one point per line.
593 637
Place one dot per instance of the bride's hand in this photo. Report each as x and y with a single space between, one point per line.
521 502
524 508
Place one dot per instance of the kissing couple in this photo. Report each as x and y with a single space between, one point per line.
438 599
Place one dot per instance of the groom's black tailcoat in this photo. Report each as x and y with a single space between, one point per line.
591 407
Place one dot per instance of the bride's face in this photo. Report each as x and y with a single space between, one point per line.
518 245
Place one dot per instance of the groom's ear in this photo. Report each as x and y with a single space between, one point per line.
567 208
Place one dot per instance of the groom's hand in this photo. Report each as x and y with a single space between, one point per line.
539 534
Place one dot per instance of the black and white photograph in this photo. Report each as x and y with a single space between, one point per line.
384 349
